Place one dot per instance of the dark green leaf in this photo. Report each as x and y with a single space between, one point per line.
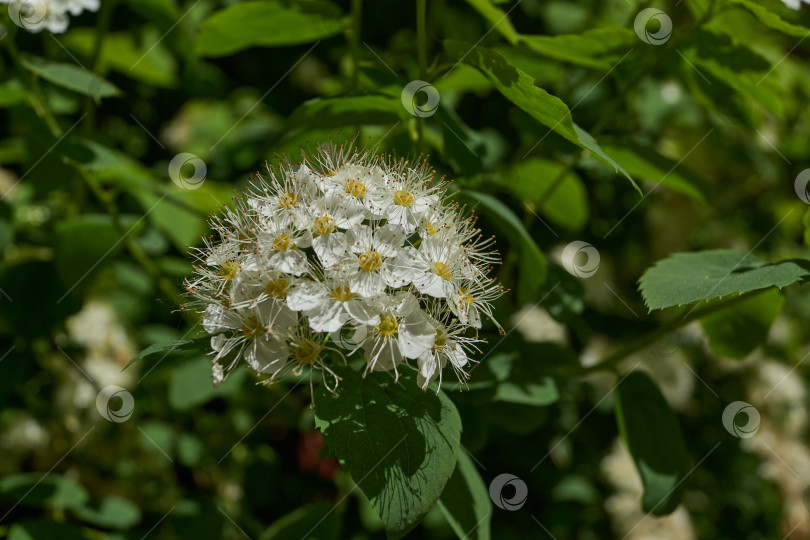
114 513
171 347
270 24
684 278
496 18
737 331
518 87
398 442
599 48
647 164
770 19
533 262
465 501
654 439
191 384
552 189
72 77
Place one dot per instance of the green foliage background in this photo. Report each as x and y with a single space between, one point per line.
558 123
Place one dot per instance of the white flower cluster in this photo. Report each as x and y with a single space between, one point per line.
351 252
52 15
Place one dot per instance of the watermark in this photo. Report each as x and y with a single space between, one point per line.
573 263
409 101
730 415
516 501
183 161
28 14
349 338
123 411
801 184
642 26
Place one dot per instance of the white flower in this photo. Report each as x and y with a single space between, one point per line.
353 244
52 15
404 331
449 345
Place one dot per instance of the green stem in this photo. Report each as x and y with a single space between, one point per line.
102 25
355 40
134 248
37 99
421 43
612 360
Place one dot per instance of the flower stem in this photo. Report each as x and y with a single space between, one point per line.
610 362
354 41
421 42
102 25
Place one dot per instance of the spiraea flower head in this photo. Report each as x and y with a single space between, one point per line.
344 241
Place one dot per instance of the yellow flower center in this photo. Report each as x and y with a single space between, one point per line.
442 270
370 261
277 287
324 225
431 230
306 351
342 294
330 173
388 325
441 340
229 270
356 188
252 327
281 242
288 200
403 198
466 298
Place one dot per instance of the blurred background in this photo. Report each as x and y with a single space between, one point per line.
706 108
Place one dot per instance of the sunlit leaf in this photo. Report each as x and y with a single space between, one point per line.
599 48
519 88
268 24
684 278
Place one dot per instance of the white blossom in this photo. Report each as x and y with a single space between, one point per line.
51 15
344 242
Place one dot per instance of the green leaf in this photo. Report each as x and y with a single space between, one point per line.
191 384
72 77
554 190
598 48
684 278
398 442
720 56
532 261
40 489
654 439
496 18
149 62
518 87
737 331
317 522
769 18
170 347
114 513
647 164
343 111
465 501
269 24
84 243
